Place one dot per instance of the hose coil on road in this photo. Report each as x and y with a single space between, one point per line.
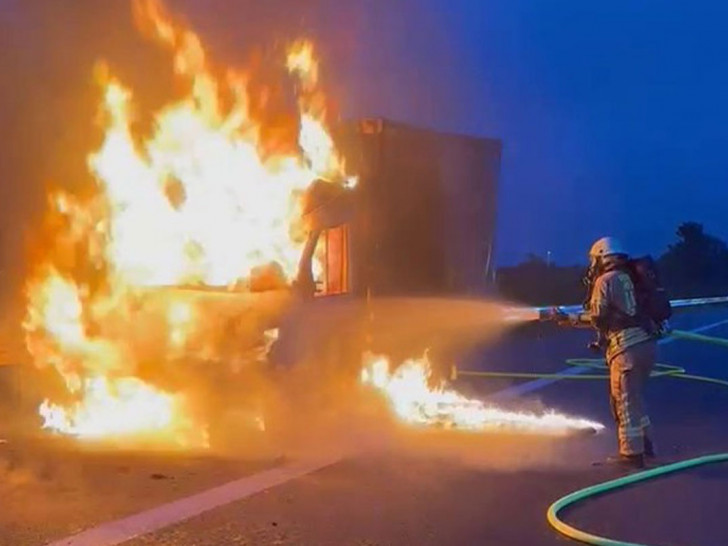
552 514
661 370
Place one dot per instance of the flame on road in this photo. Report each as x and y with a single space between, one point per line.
212 194
408 390
124 407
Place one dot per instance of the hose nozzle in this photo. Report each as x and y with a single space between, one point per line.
553 314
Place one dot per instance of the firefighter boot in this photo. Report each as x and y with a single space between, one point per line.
628 462
649 448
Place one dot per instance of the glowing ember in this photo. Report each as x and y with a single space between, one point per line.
207 197
414 401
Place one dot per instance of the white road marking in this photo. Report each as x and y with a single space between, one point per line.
530 386
121 530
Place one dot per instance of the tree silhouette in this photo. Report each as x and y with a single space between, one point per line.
697 264
536 282
534 260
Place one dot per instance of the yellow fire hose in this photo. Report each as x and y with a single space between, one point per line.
661 370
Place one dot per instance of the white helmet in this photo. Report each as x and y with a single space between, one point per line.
606 246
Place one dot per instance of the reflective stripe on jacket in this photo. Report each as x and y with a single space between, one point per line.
614 293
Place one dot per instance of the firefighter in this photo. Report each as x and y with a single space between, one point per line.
629 340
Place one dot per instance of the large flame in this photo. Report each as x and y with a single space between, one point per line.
415 401
212 195
209 196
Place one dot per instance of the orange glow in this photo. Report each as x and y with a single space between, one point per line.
197 200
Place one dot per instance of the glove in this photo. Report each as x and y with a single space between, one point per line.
599 344
594 347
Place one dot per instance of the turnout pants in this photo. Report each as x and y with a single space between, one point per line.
628 374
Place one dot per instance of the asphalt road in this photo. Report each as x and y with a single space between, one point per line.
408 488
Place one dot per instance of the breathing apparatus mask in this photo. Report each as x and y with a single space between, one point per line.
596 268
590 276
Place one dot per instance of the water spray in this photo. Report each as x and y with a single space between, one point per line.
576 312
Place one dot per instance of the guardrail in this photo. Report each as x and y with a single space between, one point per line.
680 305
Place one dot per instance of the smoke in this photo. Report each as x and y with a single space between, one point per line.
318 406
399 327
48 106
310 418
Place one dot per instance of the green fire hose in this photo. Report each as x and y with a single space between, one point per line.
661 370
691 336
552 515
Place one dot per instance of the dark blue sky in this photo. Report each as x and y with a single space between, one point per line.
613 114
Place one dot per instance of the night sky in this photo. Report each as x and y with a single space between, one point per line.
613 114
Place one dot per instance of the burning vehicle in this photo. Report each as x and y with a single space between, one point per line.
238 230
